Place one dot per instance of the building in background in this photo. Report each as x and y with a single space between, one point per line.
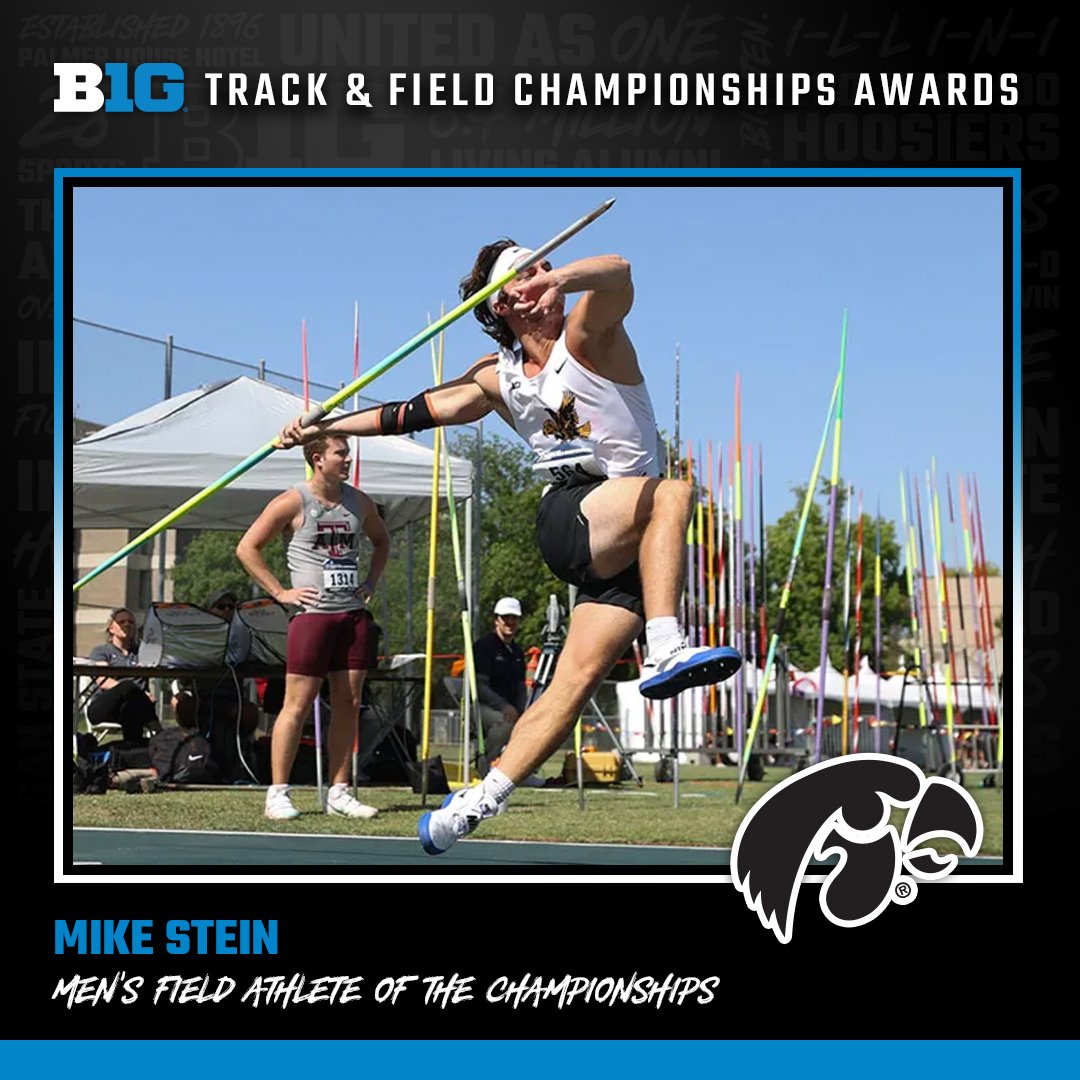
134 583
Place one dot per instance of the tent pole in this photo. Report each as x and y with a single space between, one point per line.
161 536
468 592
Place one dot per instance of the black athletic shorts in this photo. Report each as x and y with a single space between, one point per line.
562 534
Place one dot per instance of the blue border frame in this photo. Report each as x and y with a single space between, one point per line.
537 1060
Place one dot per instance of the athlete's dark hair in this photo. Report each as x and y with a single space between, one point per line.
477 278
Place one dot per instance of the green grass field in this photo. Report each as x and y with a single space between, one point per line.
618 814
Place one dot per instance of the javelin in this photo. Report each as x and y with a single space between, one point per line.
808 499
354 387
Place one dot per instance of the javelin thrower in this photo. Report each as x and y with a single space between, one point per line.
568 383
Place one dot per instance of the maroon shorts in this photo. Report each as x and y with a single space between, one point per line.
321 643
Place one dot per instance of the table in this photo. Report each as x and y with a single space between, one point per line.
392 697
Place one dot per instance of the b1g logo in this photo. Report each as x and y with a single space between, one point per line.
152 88
842 807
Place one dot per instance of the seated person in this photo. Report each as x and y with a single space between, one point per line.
126 702
500 681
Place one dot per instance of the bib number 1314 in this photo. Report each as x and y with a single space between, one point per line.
340 576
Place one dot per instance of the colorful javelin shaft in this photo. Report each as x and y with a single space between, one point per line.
762 622
826 596
690 594
855 711
721 552
877 630
319 411
785 593
959 593
944 618
763 636
710 554
710 557
738 566
976 613
751 610
463 599
911 565
356 375
917 503
429 645
996 703
702 634
849 499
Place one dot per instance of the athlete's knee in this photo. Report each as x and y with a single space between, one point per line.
674 497
580 675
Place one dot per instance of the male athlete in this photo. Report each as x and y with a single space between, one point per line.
331 635
570 385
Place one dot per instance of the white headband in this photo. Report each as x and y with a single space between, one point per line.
503 264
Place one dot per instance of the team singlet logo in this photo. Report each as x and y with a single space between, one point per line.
334 537
564 424
842 807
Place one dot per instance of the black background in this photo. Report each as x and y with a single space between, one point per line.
963 950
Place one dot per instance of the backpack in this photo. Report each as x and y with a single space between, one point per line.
180 756
89 775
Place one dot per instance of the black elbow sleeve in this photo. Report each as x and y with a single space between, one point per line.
403 417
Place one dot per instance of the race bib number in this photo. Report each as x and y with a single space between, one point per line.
569 461
340 576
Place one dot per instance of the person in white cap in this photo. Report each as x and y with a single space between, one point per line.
570 385
500 675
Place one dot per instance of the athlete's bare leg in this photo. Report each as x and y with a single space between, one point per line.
642 519
300 691
599 634
345 689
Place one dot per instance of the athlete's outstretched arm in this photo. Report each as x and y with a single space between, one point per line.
461 401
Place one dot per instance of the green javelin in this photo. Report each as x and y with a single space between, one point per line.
353 388
944 619
770 657
463 599
909 562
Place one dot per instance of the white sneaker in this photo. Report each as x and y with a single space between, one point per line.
680 667
279 806
459 814
340 802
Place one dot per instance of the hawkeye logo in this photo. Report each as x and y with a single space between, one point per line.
842 807
150 88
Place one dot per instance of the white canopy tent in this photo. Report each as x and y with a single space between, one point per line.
130 474
136 471
965 696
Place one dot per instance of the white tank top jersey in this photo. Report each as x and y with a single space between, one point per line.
578 423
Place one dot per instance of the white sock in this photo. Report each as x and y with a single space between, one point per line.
498 784
276 789
660 633
337 787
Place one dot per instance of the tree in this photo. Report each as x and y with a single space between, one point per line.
802 623
512 564
209 563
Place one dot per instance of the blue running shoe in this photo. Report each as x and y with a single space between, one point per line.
682 667
460 813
